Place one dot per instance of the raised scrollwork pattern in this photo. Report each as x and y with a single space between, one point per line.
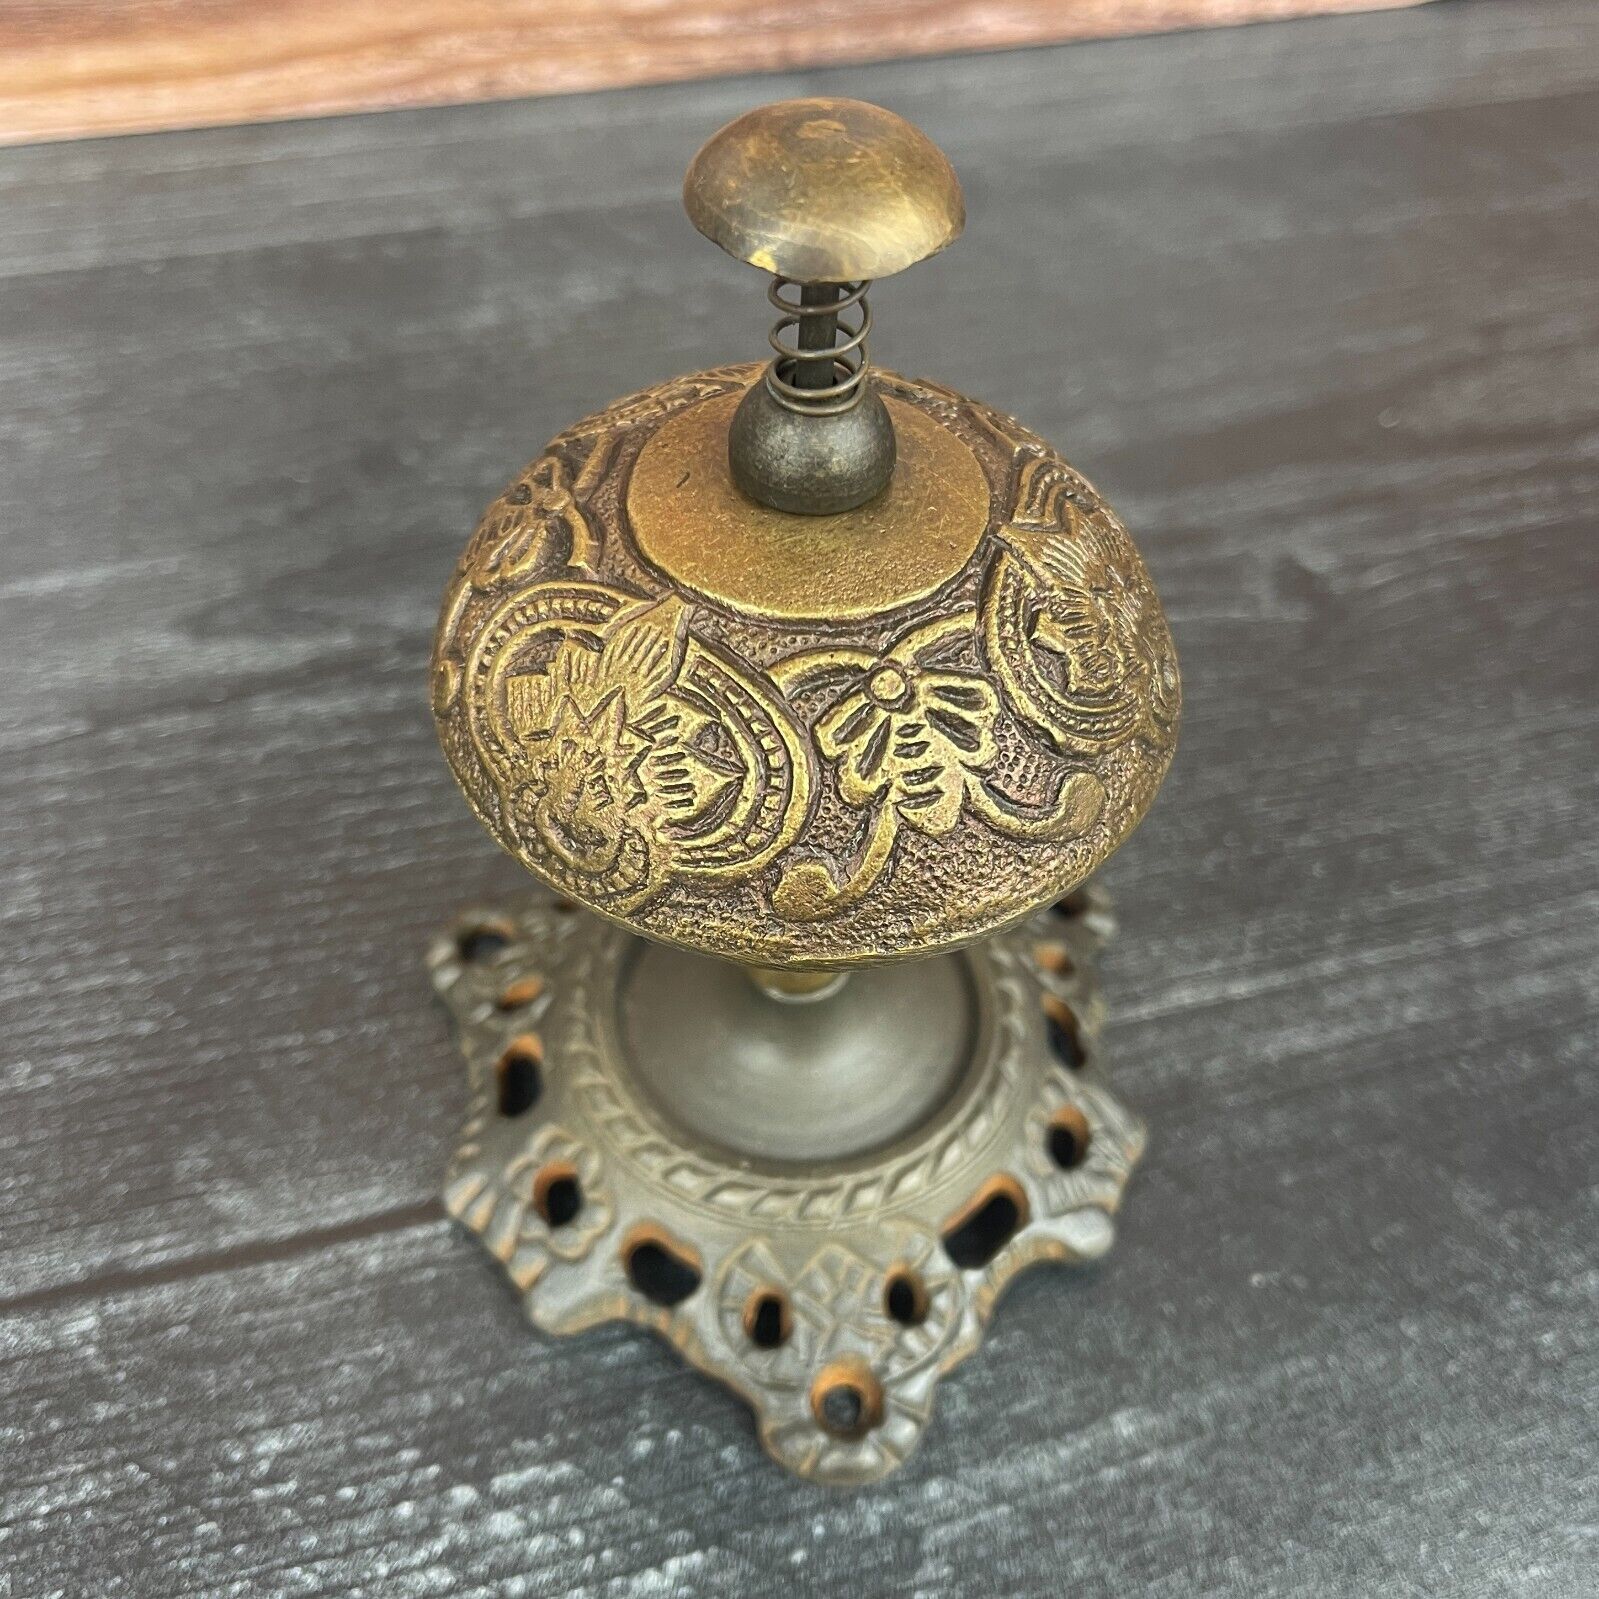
625 751
513 540
912 744
654 750
1071 627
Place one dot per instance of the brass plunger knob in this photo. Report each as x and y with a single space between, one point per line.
826 195
824 191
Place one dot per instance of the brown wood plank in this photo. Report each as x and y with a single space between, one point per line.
70 68
1315 306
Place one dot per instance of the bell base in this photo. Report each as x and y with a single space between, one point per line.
817 1204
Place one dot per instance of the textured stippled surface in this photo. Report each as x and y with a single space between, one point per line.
883 774
1314 306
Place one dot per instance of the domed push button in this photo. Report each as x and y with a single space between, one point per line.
813 694
826 195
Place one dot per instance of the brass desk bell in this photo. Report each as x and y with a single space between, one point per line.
815 692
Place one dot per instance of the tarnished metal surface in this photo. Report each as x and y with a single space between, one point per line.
690 522
950 738
813 464
831 1291
824 191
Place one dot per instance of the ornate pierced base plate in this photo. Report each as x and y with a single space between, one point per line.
818 1203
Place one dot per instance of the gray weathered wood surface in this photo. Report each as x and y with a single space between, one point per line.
1317 306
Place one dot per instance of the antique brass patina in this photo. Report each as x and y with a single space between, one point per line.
716 687
824 191
691 522
667 741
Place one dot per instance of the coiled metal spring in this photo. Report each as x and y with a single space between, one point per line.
818 375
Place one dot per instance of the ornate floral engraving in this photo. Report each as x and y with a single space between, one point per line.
651 750
623 749
513 539
1071 627
540 524
913 744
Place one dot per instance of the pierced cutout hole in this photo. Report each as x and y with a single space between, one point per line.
478 944
905 1298
846 1399
522 992
768 1321
662 1271
557 1194
1053 959
1072 907
975 1235
518 1076
1067 1138
1065 1038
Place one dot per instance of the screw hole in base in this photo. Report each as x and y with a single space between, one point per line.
846 1399
518 1077
768 1320
479 944
663 1271
1054 959
905 1298
520 993
1072 907
557 1194
1065 1037
990 1220
1067 1138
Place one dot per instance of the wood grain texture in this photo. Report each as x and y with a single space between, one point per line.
1315 307
70 68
